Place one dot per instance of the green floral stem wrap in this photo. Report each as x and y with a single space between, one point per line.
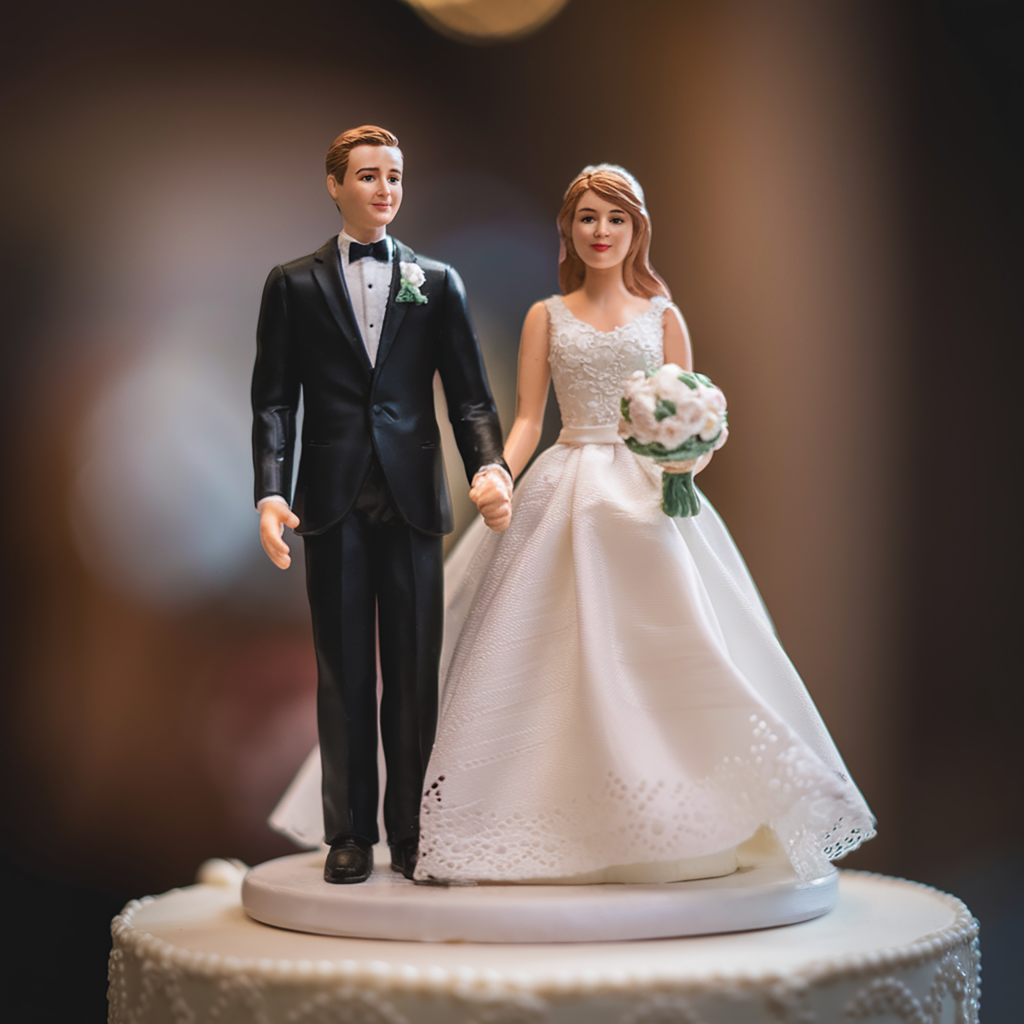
678 495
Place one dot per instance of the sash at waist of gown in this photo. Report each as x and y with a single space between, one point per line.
598 433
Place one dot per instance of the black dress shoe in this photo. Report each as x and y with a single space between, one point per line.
403 856
349 861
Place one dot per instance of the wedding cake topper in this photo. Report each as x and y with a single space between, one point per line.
615 703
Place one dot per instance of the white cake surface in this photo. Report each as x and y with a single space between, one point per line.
891 951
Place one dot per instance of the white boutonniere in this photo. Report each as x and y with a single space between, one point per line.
412 277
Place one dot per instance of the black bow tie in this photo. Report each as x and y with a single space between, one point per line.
378 250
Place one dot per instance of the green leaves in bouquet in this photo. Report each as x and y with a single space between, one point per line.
691 448
663 409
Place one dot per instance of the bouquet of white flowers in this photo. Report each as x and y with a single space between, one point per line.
674 417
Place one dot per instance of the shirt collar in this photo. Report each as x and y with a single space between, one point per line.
345 240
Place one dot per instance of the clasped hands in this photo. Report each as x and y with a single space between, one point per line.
491 492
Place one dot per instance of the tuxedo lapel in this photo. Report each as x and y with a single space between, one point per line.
328 275
395 313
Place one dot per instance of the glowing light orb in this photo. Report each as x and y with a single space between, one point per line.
486 21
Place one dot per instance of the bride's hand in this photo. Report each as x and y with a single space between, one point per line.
681 466
703 462
693 466
492 494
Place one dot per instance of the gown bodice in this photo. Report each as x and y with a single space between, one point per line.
588 366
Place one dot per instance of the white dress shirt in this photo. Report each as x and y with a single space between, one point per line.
369 282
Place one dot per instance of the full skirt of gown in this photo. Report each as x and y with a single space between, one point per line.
615 697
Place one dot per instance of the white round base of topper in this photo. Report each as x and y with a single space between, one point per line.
290 892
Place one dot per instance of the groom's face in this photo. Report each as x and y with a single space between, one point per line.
371 192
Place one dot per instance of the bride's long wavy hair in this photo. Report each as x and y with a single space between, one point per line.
615 185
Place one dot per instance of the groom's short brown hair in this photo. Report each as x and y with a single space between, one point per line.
367 135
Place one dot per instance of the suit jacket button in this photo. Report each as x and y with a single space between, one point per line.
376 408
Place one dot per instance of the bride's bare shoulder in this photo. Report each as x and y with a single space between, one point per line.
535 327
537 315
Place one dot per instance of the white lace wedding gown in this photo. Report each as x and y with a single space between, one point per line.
615 704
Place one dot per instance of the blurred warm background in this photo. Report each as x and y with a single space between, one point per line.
835 190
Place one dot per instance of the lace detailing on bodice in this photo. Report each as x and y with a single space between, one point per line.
588 366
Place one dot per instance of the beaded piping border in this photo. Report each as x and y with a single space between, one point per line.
467 981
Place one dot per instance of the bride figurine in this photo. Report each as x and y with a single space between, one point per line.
615 704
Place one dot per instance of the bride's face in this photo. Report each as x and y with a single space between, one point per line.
601 232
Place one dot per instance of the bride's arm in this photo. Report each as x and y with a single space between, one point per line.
676 339
531 390
676 349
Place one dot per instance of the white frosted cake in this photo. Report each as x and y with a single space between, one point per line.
890 951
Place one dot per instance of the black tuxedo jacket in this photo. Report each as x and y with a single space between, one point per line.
308 339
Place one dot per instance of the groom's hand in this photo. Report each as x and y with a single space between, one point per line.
492 494
275 515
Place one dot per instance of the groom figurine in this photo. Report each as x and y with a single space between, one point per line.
360 327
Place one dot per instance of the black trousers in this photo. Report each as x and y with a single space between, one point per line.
371 569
